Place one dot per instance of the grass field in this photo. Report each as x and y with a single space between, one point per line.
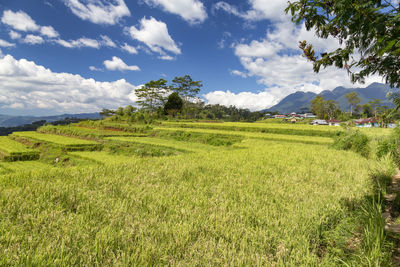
67 142
264 199
11 150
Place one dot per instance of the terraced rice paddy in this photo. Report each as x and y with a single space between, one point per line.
67 142
273 128
255 135
11 150
82 131
179 145
265 199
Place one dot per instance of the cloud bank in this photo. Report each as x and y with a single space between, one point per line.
34 88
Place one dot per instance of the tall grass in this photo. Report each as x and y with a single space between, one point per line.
269 204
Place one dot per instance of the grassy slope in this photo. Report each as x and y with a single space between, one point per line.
275 203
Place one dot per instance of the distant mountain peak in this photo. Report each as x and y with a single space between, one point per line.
298 100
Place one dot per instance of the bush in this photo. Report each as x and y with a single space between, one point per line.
390 145
352 140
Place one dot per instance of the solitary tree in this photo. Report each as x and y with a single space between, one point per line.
152 95
353 100
368 31
174 104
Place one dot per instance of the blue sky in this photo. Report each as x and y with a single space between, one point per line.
73 56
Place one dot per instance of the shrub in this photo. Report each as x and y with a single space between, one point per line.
352 140
390 145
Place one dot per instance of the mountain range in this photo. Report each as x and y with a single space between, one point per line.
11 121
300 101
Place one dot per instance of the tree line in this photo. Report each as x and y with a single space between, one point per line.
179 99
329 109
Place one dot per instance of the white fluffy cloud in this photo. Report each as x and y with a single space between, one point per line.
238 73
28 86
48 31
155 35
19 21
130 49
4 43
192 11
259 9
14 35
33 39
118 64
277 64
252 101
100 11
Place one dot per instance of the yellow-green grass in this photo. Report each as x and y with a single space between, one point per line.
282 128
11 150
123 126
375 132
256 135
82 131
68 142
104 157
20 166
269 204
179 145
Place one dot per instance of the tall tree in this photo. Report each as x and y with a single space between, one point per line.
375 103
353 100
368 28
317 106
186 87
331 108
367 110
152 95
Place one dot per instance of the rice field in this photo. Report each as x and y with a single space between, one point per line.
273 128
84 131
255 135
11 150
67 142
179 145
266 199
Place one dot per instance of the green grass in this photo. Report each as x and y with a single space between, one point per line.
11 150
265 200
105 157
25 166
63 141
273 203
